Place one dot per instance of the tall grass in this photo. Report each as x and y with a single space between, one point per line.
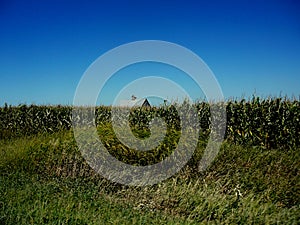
254 179
45 180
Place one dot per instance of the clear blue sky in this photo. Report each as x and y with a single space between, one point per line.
46 46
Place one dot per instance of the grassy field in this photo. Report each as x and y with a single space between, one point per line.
45 180
253 180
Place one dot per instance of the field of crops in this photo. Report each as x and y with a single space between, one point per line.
268 123
253 180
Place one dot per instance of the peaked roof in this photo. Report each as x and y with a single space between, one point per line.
146 103
137 102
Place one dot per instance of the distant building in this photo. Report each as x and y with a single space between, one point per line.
135 102
146 103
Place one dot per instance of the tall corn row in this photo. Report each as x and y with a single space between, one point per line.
27 120
268 123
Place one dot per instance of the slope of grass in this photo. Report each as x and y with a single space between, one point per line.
44 180
31 200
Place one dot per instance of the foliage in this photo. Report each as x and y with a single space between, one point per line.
268 123
254 179
23 120
45 180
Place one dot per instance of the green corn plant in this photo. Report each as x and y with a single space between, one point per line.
267 123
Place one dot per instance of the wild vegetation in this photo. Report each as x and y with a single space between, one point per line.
254 179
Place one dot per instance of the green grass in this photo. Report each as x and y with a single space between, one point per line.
30 200
44 180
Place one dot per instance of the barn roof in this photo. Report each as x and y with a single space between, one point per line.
143 102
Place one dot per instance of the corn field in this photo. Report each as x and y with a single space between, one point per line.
267 123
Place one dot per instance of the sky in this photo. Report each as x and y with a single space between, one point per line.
252 47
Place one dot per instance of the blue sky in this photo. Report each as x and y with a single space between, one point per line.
253 47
